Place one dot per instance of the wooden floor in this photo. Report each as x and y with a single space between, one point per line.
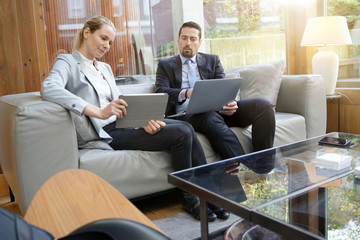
10 206
5 196
156 207
161 206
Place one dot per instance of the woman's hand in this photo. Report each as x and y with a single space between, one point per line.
229 109
154 126
115 107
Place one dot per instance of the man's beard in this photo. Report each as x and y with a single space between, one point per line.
187 54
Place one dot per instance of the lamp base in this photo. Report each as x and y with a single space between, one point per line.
326 63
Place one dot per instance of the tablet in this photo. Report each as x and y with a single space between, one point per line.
142 108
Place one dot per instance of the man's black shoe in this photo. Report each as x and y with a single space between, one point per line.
195 212
220 212
191 204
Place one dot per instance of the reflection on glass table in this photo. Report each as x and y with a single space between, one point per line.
331 211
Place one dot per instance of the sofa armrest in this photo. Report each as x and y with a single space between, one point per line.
37 140
304 95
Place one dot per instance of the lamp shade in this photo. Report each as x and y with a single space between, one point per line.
328 30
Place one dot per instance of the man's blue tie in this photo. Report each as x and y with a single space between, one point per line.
191 73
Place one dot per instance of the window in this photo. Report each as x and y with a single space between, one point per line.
245 32
118 8
241 32
61 29
76 8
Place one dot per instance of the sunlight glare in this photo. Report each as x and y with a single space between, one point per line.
297 2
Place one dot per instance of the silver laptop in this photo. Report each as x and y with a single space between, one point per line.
211 95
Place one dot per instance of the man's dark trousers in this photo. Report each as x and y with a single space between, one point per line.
215 126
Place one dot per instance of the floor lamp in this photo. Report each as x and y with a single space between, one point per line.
324 32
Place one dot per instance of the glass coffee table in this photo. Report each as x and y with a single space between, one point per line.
292 190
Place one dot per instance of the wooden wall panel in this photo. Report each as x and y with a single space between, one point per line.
346 116
349 119
27 35
11 73
51 36
41 39
332 124
350 111
23 58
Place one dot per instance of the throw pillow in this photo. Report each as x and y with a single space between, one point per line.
234 75
260 80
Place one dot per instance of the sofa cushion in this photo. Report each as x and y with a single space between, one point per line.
304 95
260 80
86 135
289 128
210 154
134 173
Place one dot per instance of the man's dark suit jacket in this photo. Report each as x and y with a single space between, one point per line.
169 76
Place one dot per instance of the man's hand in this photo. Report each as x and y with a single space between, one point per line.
154 126
188 94
229 109
233 168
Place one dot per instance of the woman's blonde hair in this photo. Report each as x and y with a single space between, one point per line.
93 24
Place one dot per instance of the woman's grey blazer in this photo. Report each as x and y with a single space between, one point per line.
69 84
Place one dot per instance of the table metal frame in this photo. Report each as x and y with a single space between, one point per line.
249 214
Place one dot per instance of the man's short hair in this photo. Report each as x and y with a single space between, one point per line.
191 25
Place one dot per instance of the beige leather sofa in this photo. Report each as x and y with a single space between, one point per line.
38 139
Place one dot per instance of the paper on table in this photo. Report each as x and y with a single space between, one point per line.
333 160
